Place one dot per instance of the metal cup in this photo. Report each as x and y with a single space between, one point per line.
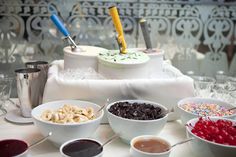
28 83
43 66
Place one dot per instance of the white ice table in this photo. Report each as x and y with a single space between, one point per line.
173 131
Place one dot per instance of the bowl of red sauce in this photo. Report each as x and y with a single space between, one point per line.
13 147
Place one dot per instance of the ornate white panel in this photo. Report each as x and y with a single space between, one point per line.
179 26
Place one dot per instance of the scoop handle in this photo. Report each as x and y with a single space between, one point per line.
146 35
119 29
60 26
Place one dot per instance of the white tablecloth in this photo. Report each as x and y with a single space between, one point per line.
167 90
173 131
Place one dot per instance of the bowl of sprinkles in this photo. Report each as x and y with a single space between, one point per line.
194 107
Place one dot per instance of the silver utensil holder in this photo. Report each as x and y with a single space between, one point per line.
28 85
43 66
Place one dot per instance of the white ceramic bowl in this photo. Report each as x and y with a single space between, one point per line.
65 132
205 148
185 116
129 128
137 153
71 141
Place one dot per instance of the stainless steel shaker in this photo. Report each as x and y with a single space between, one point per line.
43 66
28 83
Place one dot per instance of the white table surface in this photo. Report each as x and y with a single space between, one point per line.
173 132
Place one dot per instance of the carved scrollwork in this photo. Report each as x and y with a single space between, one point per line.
83 29
187 31
42 33
160 30
129 27
211 25
11 32
218 32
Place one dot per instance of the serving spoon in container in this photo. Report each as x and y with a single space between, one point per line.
182 142
103 106
40 141
233 108
60 26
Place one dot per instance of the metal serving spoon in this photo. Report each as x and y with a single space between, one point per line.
233 108
182 142
103 106
40 141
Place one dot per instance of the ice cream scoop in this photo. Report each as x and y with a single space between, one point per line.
116 21
60 26
146 35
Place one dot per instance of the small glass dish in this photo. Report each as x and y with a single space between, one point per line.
203 85
5 91
2 100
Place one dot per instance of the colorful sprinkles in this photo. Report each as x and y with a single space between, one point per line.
207 109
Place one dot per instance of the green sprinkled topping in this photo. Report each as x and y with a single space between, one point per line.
129 58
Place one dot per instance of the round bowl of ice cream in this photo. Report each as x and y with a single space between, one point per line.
155 65
114 65
156 61
82 59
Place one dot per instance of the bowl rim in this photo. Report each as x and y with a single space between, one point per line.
197 77
67 124
137 100
156 52
76 139
67 51
148 137
207 141
180 102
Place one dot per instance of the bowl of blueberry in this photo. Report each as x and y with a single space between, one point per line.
131 118
213 136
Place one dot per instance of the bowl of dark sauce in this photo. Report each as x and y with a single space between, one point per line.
13 147
81 148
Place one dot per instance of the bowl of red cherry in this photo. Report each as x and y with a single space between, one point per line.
213 136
